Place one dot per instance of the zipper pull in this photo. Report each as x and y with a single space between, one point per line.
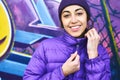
77 47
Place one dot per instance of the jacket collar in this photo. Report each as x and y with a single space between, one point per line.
72 41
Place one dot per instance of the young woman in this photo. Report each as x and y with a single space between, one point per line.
75 55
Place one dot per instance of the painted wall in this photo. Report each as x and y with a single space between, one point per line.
40 18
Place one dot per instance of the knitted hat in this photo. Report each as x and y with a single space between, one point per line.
82 3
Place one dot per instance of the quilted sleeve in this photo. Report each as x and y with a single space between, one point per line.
98 68
36 69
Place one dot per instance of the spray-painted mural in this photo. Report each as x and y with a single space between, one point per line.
29 22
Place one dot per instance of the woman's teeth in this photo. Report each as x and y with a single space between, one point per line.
75 28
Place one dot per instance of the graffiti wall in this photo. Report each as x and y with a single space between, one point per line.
25 23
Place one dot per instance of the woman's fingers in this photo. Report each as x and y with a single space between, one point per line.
73 56
72 64
92 43
92 34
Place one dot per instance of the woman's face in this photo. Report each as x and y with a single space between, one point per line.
74 19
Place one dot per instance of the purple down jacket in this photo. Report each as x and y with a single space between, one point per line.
49 57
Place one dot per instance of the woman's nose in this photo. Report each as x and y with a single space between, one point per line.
73 19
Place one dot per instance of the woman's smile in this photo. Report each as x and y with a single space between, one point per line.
74 28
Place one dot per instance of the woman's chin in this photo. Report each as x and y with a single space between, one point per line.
75 35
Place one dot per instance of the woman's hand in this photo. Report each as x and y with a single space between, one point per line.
92 44
71 65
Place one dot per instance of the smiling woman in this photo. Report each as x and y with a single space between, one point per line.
76 54
6 31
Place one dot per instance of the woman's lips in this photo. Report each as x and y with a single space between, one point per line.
75 28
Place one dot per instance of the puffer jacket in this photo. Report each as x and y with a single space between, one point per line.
46 62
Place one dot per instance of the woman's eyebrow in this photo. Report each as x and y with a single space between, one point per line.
78 9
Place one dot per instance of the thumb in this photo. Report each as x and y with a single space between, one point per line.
73 56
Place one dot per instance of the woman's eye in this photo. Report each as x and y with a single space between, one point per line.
66 16
79 14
